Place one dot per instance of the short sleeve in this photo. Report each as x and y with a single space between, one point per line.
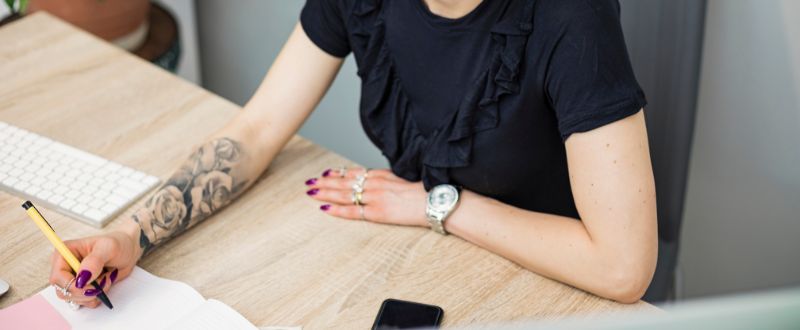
589 80
323 22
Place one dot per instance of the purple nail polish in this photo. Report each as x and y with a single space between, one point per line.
91 292
113 276
326 173
325 207
312 192
102 283
82 279
311 182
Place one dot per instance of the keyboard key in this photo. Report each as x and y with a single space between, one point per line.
150 180
72 194
125 171
65 181
27 177
80 208
124 192
44 194
53 177
61 189
97 203
101 193
94 214
89 190
21 185
39 181
49 185
84 199
108 208
10 181
132 185
85 177
137 176
43 172
77 185
67 204
117 200
33 190
108 186
96 182
55 199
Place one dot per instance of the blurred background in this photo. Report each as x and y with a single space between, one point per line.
722 79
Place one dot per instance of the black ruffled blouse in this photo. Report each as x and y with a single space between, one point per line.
484 101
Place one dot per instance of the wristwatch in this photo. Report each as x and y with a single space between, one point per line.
442 200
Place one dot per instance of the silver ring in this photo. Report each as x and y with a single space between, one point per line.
343 171
65 289
73 305
361 210
361 179
358 188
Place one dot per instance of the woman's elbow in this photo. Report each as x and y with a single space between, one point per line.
628 288
627 282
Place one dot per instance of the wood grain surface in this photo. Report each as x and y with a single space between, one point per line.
272 255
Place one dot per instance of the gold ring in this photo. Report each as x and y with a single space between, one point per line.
357 198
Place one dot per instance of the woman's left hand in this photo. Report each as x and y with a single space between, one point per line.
386 197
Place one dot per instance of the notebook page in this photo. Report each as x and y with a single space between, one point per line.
213 315
141 301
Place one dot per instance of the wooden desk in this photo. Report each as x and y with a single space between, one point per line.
272 255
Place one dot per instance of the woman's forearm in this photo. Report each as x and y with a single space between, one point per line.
222 168
557 247
214 175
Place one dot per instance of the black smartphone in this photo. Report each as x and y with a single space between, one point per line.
400 314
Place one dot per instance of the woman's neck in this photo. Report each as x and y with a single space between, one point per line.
452 9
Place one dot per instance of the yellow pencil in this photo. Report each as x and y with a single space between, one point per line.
62 249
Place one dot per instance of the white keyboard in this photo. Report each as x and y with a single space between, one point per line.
76 183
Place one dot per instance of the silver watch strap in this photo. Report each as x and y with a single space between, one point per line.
436 219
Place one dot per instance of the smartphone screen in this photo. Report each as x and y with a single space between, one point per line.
399 314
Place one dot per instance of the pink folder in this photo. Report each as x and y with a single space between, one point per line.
34 313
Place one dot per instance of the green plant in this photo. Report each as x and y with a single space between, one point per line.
19 8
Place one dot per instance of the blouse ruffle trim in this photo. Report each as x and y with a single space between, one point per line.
385 107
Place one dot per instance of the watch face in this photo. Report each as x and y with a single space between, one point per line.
443 197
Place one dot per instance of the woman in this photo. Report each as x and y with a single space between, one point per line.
527 111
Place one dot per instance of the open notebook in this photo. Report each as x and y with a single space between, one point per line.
141 301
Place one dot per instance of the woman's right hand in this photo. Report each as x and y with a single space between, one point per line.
107 258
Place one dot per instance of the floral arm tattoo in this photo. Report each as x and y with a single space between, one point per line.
202 185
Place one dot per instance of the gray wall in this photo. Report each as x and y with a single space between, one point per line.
238 43
742 216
